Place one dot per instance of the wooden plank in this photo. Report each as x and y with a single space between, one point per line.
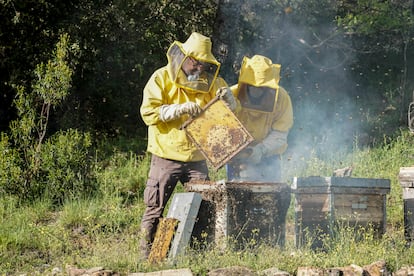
314 206
378 185
308 198
309 182
309 220
311 190
309 211
359 190
312 203
373 215
309 215
373 201
365 183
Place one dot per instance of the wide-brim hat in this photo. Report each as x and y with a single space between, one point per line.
259 71
199 47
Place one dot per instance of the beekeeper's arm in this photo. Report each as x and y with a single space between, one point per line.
169 112
276 141
153 108
226 94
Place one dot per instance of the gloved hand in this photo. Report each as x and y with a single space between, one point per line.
257 154
189 108
275 142
171 112
227 96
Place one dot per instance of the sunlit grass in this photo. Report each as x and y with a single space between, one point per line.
104 230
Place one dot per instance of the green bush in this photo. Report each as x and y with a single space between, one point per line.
67 166
10 170
33 164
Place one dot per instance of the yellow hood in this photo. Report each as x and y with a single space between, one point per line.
197 46
260 71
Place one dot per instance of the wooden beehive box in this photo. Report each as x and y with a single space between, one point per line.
360 201
406 178
322 202
241 211
312 209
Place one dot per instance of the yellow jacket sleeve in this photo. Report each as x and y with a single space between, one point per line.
153 97
283 119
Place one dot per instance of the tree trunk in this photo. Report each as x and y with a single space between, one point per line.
225 38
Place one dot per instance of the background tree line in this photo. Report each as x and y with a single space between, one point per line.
346 64
119 44
325 48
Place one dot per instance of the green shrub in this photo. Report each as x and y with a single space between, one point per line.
10 169
66 166
33 164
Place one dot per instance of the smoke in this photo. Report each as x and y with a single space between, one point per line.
316 72
323 97
323 93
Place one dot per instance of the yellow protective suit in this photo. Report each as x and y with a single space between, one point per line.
275 111
168 85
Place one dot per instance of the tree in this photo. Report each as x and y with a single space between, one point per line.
122 43
389 26
30 164
28 33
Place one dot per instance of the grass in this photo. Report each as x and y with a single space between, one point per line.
104 230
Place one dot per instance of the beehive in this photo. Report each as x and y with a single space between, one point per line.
406 178
324 202
245 213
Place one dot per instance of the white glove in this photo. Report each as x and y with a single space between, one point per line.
257 154
174 111
274 141
190 108
227 96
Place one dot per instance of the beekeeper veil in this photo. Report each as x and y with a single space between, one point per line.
192 65
259 83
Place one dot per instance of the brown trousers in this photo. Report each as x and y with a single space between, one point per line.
163 176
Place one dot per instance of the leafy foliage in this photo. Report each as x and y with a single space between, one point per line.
328 51
31 166
122 43
66 166
28 34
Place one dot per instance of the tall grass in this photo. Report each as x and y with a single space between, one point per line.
103 230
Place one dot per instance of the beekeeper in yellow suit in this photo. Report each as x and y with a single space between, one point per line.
267 114
172 95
